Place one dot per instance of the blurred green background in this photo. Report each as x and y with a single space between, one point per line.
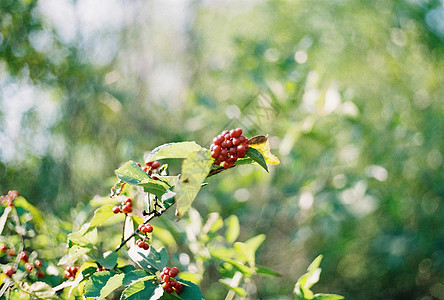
350 93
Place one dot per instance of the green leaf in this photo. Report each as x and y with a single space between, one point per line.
238 290
74 253
233 229
257 157
246 271
85 236
313 272
4 218
168 199
133 174
143 289
248 249
190 291
261 270
150 259
170 180
109 259
195 169
328 297
101 284
101 215
37 216
40 289
134 276
174 150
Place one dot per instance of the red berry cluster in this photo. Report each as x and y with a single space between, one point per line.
126 207
70 272
150 166
170 284
100 269
228 146
9 198
144 228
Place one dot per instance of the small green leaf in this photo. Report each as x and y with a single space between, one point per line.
85 236
313 272
190 291
248 249
233 229
143 289
246 271
109 259
173 150
261 270
257 157
195 169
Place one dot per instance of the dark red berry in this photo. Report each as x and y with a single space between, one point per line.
10 203
127 201
40 274
155 165
173 272
3 248
149 228
178 288
116 209
166 278
140 166
67 273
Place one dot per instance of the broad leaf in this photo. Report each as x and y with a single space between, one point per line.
40 289
257 157
83 237
195 169
261 144
101 284
101 215
74 253
173 150
109 259
190 291
143 289
135 275
150 259
133 174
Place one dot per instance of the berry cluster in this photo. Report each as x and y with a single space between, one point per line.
22 257
70 272
150 166
170 284
126 207
100 269
228 146
144 228
8 199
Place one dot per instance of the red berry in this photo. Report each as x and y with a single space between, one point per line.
139 165
38 264
146 169
116 209
11 252
40 274
67 273
28 267
145 246
149 163
149 228
9 271
155 165
154 177
166 278
23 256
178 288
126 209
73 270
3 248
10 203
168 289
173 272
128 201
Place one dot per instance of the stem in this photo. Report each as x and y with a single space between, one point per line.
152 215
123 230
